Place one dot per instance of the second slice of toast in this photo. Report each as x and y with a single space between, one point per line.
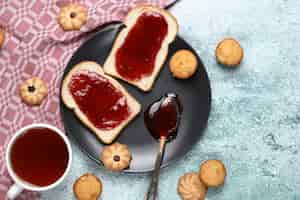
145 83
106 136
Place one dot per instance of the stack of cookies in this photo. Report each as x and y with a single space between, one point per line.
194 185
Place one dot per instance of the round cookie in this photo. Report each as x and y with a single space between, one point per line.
229 52
116 157
33 91
212 173
191 188
87 187
2 37
183 64
72 17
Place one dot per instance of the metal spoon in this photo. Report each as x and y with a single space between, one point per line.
166 124
152 190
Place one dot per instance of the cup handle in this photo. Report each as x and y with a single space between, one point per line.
14 191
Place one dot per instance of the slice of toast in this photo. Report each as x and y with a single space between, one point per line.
106 136
145 83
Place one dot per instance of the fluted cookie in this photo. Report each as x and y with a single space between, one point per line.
229 52
2 36
72 17
33 91
183 64
87 187
191 188
212 173
116 157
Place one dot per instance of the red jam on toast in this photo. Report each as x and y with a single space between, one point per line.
135 59
103 104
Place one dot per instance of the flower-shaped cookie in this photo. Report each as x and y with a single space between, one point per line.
72 17
191 188
116 157
33 91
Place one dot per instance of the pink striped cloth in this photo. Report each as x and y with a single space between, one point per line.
35 45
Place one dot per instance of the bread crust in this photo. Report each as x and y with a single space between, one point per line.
106 136
146 83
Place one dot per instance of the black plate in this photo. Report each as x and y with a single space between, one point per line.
194 93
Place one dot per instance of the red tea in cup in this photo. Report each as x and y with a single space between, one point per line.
39 156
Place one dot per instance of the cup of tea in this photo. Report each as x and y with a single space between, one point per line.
38 158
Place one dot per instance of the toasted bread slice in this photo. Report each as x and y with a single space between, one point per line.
145 83
106 136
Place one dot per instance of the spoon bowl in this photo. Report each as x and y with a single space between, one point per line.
162 117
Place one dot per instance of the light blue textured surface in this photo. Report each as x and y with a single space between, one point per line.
255 119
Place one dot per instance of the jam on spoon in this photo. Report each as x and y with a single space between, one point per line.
162 120
163 116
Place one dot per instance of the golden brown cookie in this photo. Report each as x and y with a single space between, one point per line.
33 91
2 36
72 17
191 188
87 187
183 64
116 157
212 173
229 52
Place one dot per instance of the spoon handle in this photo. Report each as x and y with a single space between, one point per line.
152 190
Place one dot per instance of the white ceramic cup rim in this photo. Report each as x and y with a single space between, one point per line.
21 182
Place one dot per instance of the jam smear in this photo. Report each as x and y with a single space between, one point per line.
163 116
103 104
39 156
135 58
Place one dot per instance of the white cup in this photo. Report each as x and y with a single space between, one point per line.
20 184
